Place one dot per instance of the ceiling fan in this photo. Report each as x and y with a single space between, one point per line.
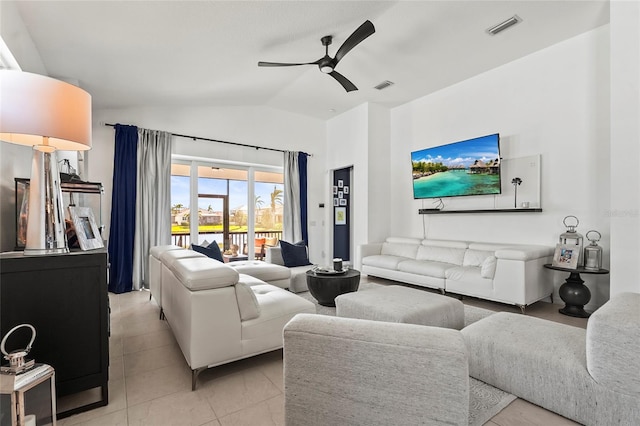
327 64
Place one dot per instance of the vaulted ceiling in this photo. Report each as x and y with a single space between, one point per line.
160 53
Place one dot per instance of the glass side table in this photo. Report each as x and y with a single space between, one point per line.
573 292
29 396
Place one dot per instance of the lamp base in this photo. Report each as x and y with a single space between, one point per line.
46 230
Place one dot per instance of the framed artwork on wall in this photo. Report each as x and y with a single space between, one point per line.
341 216
85 227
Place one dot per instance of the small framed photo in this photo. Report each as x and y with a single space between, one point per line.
85 227
343 201
340 194
336 202
340 183
345 189
341 216
566 256
335 189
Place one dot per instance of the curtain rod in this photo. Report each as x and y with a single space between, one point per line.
219 141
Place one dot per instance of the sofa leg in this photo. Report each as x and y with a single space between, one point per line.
551 297
194 376
442 291
162 314
149 296
522 308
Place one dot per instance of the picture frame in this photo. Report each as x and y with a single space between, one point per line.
345 189
340 194
343 201
85 227
336 202
566 256
335 189
341 216
340 183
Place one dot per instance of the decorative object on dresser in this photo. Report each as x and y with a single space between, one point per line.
46 114
85 227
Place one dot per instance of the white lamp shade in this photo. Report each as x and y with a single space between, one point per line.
33 106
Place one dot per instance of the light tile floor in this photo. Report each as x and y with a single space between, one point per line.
150 382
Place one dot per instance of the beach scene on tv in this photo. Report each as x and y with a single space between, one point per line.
470 167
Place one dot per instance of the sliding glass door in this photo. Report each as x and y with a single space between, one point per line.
222 211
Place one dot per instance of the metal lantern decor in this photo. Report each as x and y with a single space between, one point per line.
593 252
572 238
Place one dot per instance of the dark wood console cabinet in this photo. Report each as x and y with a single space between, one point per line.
64 296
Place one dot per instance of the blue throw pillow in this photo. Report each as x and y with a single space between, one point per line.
294 254
212 251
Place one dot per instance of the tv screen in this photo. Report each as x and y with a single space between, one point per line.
470 167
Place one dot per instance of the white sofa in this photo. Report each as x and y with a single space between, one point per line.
218 315
507 273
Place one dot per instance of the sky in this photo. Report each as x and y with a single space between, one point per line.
237 192
484 148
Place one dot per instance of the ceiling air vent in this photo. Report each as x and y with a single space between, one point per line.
384 85
504 25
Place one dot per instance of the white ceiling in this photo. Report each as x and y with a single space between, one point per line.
133 53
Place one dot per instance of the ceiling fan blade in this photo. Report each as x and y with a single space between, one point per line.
280 64
363 31
348 86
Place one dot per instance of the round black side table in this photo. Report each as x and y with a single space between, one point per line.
573 292
325 288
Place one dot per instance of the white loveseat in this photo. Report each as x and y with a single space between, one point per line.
218 315
507 273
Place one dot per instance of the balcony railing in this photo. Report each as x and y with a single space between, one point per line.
239 238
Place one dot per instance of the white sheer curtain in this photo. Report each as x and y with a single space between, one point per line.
153 200
292 221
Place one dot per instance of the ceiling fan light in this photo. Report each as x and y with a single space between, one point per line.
327 69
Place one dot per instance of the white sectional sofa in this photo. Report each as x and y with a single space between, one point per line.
298 282
219 315
507 273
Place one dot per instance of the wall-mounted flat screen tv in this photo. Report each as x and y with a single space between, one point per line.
470 167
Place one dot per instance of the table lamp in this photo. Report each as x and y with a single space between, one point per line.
46 114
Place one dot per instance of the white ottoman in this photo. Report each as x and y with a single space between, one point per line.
273 274
402 304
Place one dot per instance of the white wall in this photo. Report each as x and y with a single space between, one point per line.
625 146
253 126
555 103
360 138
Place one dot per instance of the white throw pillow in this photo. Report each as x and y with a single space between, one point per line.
247 302
488 267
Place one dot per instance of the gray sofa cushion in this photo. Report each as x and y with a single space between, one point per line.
545 363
